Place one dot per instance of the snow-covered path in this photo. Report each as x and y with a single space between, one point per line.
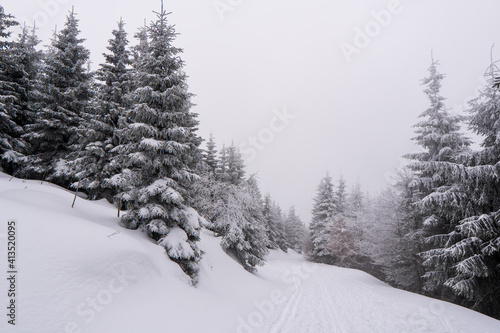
319 298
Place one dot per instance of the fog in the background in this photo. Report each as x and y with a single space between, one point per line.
349 113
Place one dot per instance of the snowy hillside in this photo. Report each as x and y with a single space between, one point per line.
79 271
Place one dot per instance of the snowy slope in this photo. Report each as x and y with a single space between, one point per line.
80 272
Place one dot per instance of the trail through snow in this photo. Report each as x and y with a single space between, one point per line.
321 298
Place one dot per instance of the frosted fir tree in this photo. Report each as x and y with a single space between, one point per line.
66 92
385 223
244 231
28 63
231 166
30 59
11 96
222 165
348 234
256 229
468 258
234 211
341 196
140 51
278 221
210 156
204 191
440 138
355 201
104 118
156 150
439 132
374 221
342 244
6 21
295 230
271 227
323 215
235 214
19 66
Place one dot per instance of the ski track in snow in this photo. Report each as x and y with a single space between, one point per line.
310 299
336 300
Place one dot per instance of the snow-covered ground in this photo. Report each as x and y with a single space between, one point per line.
78 271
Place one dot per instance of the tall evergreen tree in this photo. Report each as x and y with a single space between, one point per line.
20 88
141 50
341 196
441 140
157 147
467 259
31 61
210 157
235 213
323 214
271 228
355 201
295 230
11 95
278 223
440 137
404 269
28 62
343 244
104 119
66 92
231 166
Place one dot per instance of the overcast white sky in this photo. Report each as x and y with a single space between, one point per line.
250 59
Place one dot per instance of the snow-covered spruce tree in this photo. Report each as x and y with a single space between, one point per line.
30 58
66 85
156 150
385 223
278 222
403 266
271 229
349 241
295 230
222 165
355 201
140 51
235 214
343 243
14 83
25 77
441 140
231 166
233 209
469 254
373 225
210 156
341 196
202 193
439 136
255 231
104 117
320 228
